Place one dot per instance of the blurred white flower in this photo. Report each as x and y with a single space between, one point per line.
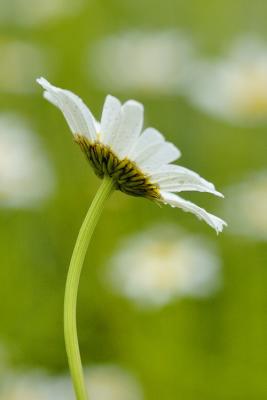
20 63
33 13
26 177
150 61
110 382
105 382
162 264
246 206
35 386
235 87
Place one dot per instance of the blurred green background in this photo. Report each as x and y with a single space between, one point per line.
191 348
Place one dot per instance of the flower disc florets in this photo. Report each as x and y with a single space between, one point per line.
128 178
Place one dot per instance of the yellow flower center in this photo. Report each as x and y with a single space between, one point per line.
127 177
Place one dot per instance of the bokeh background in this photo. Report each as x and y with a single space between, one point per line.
167 309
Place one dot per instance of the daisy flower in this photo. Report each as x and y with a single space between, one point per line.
106 381
249 200
138 161
152 62
26 175
162 264
34 385
29 13
111 382
128 159
234 87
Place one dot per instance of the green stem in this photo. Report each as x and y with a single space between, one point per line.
76 263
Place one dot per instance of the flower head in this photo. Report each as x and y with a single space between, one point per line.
111 382
235 87
154 267
139 162
151 62
105 381
26 176
34 385
249 200
29 15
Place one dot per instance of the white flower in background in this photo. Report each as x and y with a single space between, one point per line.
248 209
235 87
150 61
105 382
110 382
20 63
25 175
33 13
138 162
35 386
162 264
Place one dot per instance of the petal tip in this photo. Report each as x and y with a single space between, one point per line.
134 103
220 224
219 194
111 96
43 82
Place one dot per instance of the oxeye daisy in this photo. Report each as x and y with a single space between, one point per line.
138 162
234 87
159 61
163 264
26 176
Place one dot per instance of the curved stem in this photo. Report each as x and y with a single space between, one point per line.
71 290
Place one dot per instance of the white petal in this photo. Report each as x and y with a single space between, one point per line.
146 144
78 116
51 98
129 129
110 120
177 201
174 178
97 126
164 153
